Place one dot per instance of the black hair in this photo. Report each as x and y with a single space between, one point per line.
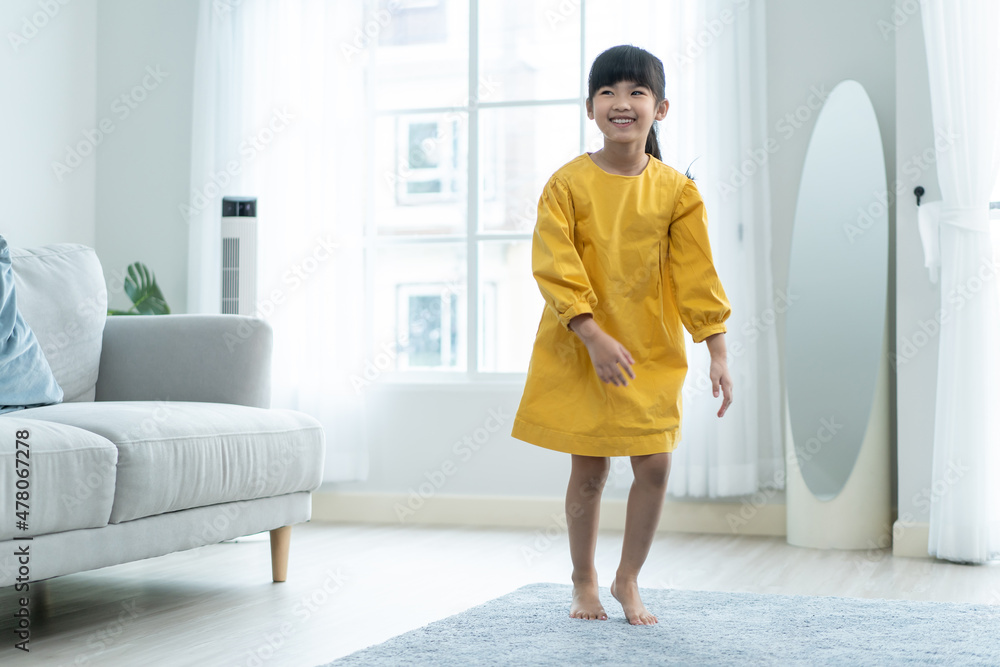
687 172
630 63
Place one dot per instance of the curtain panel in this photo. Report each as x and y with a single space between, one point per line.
962 53
275 102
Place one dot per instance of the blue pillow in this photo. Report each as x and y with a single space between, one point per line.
25 377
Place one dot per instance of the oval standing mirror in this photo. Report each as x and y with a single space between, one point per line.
837 281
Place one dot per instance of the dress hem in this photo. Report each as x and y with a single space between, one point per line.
589 445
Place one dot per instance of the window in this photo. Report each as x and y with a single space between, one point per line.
477 103
428 169
428 317
414 22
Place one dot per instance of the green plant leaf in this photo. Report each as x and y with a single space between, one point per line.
140 285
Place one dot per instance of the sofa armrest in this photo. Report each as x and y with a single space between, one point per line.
210 358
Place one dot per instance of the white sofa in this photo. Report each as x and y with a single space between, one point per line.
164 440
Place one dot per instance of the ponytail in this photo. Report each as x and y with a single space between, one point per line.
652 144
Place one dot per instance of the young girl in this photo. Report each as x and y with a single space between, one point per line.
622 258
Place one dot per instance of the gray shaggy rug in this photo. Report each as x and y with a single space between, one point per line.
531 626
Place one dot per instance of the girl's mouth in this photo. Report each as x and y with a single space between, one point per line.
622 122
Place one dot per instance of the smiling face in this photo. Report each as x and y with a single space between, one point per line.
624 113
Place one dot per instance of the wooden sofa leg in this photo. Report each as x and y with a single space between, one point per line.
281 538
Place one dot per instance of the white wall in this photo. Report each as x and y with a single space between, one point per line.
62 90
917 299
144 166
48 91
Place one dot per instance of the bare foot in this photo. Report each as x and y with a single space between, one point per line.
586 602
628 594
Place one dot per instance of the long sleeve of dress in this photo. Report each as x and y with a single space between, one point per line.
555 261
698 292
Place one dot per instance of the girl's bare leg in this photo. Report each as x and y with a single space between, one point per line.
583 508
645 502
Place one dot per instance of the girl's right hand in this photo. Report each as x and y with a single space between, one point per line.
609 356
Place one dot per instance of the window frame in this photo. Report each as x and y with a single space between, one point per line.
445 298
443 172
474 235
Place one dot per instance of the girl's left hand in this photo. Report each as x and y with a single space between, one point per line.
719 373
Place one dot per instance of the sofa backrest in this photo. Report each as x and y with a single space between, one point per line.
62 296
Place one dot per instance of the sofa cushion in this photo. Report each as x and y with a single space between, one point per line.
62 296
25 376
177 455
71 477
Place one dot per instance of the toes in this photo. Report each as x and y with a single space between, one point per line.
643 619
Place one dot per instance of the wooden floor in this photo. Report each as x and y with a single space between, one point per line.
353 585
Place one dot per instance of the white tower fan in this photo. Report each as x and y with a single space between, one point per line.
239 255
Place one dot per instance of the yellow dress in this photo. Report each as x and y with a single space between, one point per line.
634 251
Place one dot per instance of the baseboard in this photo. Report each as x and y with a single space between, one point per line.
544 513
910 539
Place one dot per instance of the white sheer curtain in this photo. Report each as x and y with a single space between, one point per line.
297 64
962 56
277 104
716 85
